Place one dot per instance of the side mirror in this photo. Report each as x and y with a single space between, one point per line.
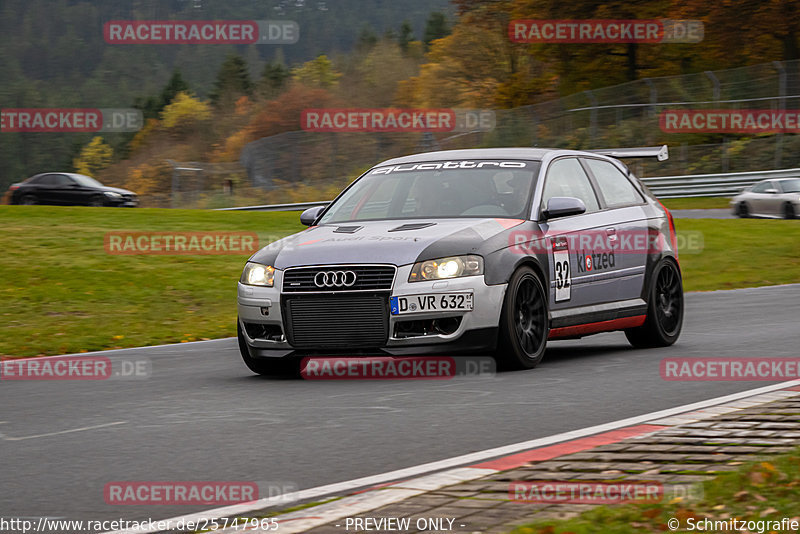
310 215
563 207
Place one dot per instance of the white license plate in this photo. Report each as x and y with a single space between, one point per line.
434 302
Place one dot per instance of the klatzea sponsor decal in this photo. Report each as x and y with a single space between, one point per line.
605 31
729 121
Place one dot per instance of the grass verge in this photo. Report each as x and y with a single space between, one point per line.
696 203
740 253
759 491
62 293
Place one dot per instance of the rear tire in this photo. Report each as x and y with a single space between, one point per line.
523 322
265 366
788 211
664 309
742 211
28 200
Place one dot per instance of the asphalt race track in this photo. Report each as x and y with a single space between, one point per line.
203 416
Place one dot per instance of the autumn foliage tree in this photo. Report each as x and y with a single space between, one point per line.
94 157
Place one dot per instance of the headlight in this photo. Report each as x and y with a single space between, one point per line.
444 268
112 194
255 274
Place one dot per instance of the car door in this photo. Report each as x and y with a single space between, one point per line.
569 241
772 200
68 191
48 190
761 198
627 227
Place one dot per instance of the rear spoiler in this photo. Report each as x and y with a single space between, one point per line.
659 152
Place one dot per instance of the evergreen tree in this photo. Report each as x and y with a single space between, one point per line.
436 27
233 80
406 35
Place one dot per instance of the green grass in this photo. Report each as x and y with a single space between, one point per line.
756 491
741 253
62 293
696 203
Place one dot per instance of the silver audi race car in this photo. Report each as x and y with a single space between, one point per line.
484 251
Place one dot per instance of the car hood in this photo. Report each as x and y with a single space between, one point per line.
397 242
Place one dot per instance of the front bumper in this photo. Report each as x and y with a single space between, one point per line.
475 332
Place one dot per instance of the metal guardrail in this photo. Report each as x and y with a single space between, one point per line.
711 185
697 185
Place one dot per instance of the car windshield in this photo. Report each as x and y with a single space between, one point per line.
468 188
791 186
85 180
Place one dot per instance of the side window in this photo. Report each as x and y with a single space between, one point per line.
48 179
566 178
615 187
762 187
62 180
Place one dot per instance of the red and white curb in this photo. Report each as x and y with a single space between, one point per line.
416 480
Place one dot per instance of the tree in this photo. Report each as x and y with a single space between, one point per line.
233 81
184 112
317 73
151 106
273 78
405 36
366 39
94 157
175 85
436 27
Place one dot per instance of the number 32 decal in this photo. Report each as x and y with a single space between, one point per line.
561 271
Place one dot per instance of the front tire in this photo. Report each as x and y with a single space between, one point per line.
788 211
742 211
664 309
264 366
523 322
97 201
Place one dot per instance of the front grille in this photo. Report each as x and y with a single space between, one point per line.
368 278
354 321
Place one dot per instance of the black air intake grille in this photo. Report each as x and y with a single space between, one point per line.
337 321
